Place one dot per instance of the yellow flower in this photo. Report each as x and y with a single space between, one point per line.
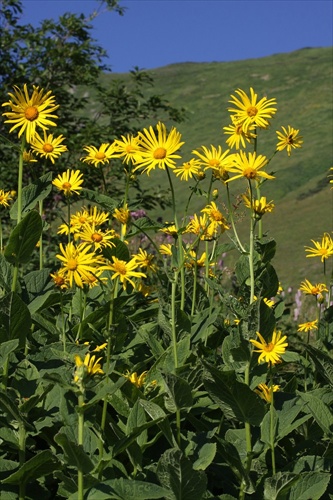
28 112
214 158
165 249
87 368
215 216
145 260
271 352
259 207
238 137
49 147
138 381
309 289
96 237
250 112
323 249
188 169
125 271
193 259
308 326
266 392
78 263
101 155
128 148
201 226
170 229
59 281
69 182
158 151
123 215
289 139
5 198
28 157
248 166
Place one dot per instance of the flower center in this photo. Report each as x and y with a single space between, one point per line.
290 139
72 264
252 111
120 268
48 148
213 162
82 219
129 148
66 186
96 237
99 155
238 130
216 215
269 347
250 173
31 113
323 251
160 153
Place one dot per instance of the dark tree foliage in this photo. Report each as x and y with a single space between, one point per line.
60 55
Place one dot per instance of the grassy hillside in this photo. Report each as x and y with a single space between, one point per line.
301 82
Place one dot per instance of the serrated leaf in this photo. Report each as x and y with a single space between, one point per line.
75 454
125 489
310 486
178 390
277 486
320 411
323 362
15 319
32 194
176 474
23 239
40 465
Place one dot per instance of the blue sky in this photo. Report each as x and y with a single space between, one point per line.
155 33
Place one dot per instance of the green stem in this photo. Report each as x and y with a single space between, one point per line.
1 237
63 321
69 218
231 214
272 430
22 441
41 263
80 486
251 250
19 204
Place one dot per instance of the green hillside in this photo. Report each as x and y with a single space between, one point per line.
301 82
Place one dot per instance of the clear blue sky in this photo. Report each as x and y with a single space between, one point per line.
154 33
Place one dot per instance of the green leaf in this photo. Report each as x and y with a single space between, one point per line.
320 411
32 194
287 417
156 412
179 392
5 274
266 247
144 224
126 441
266 427
176 474
206 456
23 239
277 486
323 362
6 348
310 486
38 287
105 201
223 387
74 453
15 318
137 418
125 489
9 405
119 250
42 464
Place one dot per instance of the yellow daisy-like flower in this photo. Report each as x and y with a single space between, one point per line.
165 249
259 207
89 233
59 280
87 368
308 326
28 112
213 158
188 169
289 139
266 392
28 157
250 112
78 262
101 155
193 259
69 182
98 217
138 381
145 260
248 166
5 198
158 151
49 147
238 138
201 226
128 148
216 216
123 215
309 289
323 249
125 271
170 229
94 279
271 352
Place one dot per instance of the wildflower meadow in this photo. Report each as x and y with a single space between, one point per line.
134 363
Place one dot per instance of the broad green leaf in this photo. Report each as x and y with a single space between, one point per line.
38 287
125 489
176 474
119 250
320 411
266 427
74 453
156 412
266 248
105 201
311 485
23 239
277 486
42 464
9 405
6 348
232 454
323 362
15 319
5 274
32 194
126 441
203 322
206 456
143 224
179 392
223 387
136 418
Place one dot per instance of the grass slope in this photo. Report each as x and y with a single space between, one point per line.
301 81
